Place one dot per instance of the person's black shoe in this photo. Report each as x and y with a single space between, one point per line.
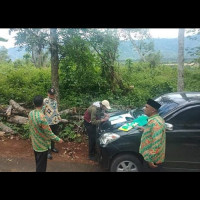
54 150
49 156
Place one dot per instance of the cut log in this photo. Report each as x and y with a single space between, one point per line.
68 111
78 117
18 119
64 121
19 108
9 110
5 128
2 133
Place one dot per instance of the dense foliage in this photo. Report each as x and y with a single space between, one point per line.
80 88
22 83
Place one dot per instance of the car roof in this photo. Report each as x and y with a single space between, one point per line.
179 97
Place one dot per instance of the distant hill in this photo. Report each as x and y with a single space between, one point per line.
168 49
16 53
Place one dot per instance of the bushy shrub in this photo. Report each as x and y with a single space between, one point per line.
23 83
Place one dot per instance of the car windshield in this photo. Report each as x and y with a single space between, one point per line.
166 106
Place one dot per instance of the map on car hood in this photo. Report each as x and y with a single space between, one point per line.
119 119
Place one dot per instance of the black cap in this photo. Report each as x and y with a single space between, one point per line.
153 104
51 91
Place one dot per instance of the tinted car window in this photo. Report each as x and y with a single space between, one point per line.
188 119
166 108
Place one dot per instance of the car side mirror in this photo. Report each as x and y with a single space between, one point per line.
169 127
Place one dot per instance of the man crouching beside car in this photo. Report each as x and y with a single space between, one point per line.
153 140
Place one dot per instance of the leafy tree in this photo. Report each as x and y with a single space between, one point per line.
4 55
153 58
27 58
79 64
34 41
195 51
141 35
129 63
143 45
105 43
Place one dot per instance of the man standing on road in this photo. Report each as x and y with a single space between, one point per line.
41 134
153 140
52 115
92 118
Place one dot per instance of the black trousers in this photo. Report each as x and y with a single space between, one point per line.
41 161
91 131
146 167
54 129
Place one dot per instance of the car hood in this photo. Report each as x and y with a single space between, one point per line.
117 120
124 133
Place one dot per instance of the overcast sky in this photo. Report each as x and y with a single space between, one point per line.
155 33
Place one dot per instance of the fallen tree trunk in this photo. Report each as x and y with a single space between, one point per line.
68 111
18 119
78 117
5 128
19 108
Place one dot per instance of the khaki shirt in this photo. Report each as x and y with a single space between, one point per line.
96 113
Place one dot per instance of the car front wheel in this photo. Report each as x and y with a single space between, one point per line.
126 163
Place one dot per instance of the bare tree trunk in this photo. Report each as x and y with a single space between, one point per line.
54 61
136 48
180 84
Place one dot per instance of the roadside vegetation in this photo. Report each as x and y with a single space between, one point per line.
89 71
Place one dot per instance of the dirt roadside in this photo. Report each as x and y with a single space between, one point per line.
16 155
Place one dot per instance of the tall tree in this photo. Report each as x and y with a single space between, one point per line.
142 44
54 60
34 41
138 38
180 84
105 43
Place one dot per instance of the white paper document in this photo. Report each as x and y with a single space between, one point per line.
119 119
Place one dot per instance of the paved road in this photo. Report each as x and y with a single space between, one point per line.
28 165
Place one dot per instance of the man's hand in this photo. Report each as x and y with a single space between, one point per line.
106 115
152 165
104 119
141 128
60 141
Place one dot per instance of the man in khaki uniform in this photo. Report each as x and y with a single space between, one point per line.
92 118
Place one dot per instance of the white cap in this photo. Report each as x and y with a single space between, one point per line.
106 104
